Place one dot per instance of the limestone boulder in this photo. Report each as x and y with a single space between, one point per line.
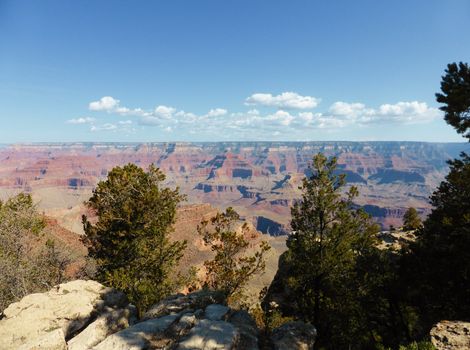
84 315
451 335
53 340
247 328
106 324
140 336
216 312
211 335
69 307
294 336
179 302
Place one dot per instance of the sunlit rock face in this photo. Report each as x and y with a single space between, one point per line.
84 315
451 335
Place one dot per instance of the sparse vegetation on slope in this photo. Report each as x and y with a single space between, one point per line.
29 262
231 268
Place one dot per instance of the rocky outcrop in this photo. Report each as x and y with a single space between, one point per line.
53 340
180 302
395 240
451 335
278 292
294 336
84 315
105 325
63 313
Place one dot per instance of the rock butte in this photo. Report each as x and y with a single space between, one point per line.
259 179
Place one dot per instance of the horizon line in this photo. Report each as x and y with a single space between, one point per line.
214 142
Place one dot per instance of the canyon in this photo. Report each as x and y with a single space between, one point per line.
259 179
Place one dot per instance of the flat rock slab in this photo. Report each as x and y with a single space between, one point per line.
69 306
105 325
210 335
451 335
247 328
179 302
53 340
138 336
294 336
216 312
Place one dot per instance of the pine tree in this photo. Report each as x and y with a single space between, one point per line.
328 237
411 220
455 88
439 261
436 267
130 240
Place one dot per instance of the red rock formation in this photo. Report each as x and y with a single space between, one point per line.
259 178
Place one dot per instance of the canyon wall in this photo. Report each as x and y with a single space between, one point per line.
258 179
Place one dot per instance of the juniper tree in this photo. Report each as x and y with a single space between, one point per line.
130 239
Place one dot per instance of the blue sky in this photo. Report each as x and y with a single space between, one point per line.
94 70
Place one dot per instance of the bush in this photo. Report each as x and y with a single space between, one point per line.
231 268
27 264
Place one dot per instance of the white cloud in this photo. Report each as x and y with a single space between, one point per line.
306 116
280 117
121 126
291 117
106 103
81 120
408 112
111 105
104 127
347 109
150 121
399 113
288 100
164 112
217 112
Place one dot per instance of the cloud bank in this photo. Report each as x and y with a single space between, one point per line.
286 100
278 115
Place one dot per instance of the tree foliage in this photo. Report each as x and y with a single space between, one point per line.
231 268
328 240
361 297
411 220
455 88
130 239
439 261
28 264
435 269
